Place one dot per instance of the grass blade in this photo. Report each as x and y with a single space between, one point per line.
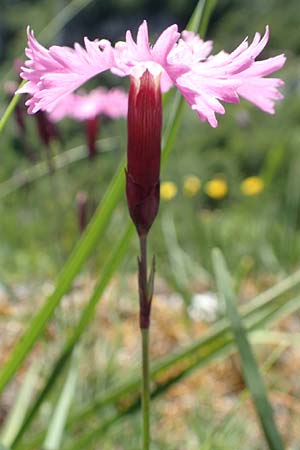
251 372
20 407
10 109
65 15
56 428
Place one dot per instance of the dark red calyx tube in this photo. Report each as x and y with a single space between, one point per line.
144 150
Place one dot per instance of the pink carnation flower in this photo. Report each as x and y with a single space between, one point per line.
181 60
88 108
112 103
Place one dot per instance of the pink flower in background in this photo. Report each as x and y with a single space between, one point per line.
82 106
181 60
88 107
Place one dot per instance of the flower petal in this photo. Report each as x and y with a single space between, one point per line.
56 72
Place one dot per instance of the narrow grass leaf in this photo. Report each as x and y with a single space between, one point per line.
250 369
20 407
65 15
10 109
56 427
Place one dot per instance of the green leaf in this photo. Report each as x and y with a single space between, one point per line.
57 424
18 411
251 372
65 15
200 18
10 109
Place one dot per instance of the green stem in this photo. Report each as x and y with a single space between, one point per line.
145 388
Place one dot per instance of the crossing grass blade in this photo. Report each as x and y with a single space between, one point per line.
57 424
10 109
20 407
65 15
250 369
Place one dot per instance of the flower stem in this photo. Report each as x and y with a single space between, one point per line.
145 306
145 389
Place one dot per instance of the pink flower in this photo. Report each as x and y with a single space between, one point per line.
111 103
88 108
59 71
205 81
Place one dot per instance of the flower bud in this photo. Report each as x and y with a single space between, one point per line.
143 151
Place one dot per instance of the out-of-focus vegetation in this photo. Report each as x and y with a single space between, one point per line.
259 234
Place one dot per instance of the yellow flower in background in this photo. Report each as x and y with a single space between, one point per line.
168 190
216 188
252 186
191 186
